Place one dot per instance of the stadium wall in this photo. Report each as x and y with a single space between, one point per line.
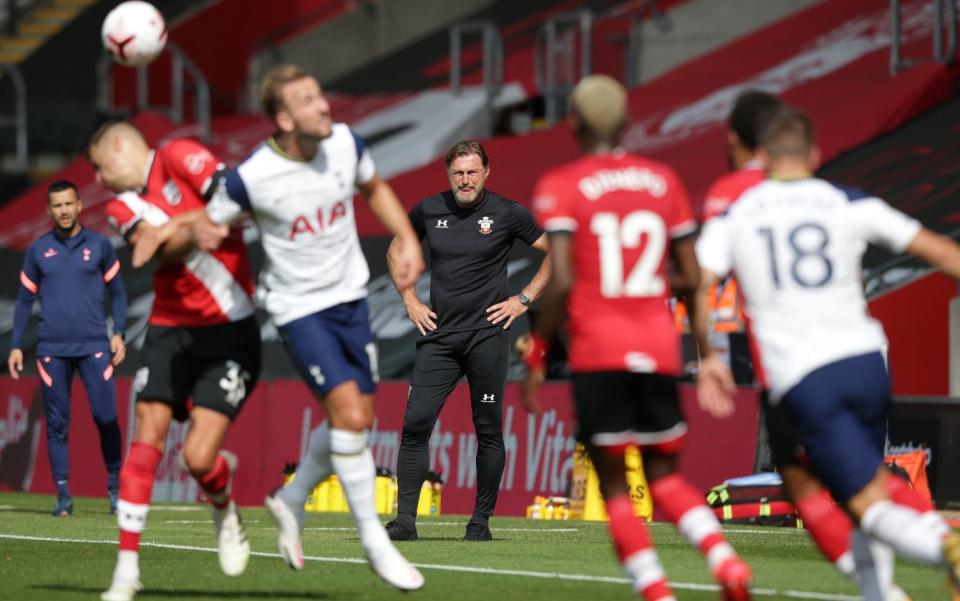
273 430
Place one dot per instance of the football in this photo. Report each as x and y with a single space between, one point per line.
134 33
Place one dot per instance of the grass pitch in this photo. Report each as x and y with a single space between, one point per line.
42 557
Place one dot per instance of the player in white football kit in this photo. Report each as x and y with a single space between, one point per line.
298 186
795 244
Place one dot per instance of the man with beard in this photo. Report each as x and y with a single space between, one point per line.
469 231
66 269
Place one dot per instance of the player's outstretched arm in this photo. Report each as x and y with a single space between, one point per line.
408 258
937 250
170 241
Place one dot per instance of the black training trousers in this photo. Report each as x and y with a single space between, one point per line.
442 359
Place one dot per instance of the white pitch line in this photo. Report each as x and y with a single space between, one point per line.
453 568
203 521
348 529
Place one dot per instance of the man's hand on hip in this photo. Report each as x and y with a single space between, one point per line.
509 310
422 317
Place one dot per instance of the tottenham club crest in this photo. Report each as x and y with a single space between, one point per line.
485 223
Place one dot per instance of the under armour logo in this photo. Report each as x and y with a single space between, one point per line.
441 224
489 398
86 254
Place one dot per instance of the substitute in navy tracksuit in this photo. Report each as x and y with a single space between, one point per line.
67 269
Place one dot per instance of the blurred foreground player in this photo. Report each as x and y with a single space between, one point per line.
201 354
795 243
614 221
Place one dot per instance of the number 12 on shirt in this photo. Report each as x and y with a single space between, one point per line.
614 236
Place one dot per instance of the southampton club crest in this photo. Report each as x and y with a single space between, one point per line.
485 223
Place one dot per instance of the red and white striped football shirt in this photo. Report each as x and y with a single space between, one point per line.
204 288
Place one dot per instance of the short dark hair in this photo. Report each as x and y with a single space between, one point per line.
465 148
61 185
789 132
751 111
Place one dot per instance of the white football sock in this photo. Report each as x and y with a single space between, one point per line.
874 566
128 566
353 462
314 468
903 529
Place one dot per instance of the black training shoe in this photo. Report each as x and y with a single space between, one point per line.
477 531
63 507
397 531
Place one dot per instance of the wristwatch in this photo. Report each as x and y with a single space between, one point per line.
525 300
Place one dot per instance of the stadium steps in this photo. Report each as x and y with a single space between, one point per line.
38 26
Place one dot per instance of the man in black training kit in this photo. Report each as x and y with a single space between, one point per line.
469 233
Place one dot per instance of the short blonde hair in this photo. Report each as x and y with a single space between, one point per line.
273 83
601 103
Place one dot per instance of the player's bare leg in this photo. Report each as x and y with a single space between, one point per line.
136 486
214 469
685 508
629 534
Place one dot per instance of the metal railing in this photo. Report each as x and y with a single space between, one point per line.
492 65
17 121
556 52
267 54
661 21
942 53
11 12
180 67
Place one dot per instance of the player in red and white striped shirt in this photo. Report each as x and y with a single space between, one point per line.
201 354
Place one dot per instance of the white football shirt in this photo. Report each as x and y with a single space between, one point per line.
796 249
304 211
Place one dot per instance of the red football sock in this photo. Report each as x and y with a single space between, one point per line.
686 508
214 483
136 486
829 526
901 494
631 539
